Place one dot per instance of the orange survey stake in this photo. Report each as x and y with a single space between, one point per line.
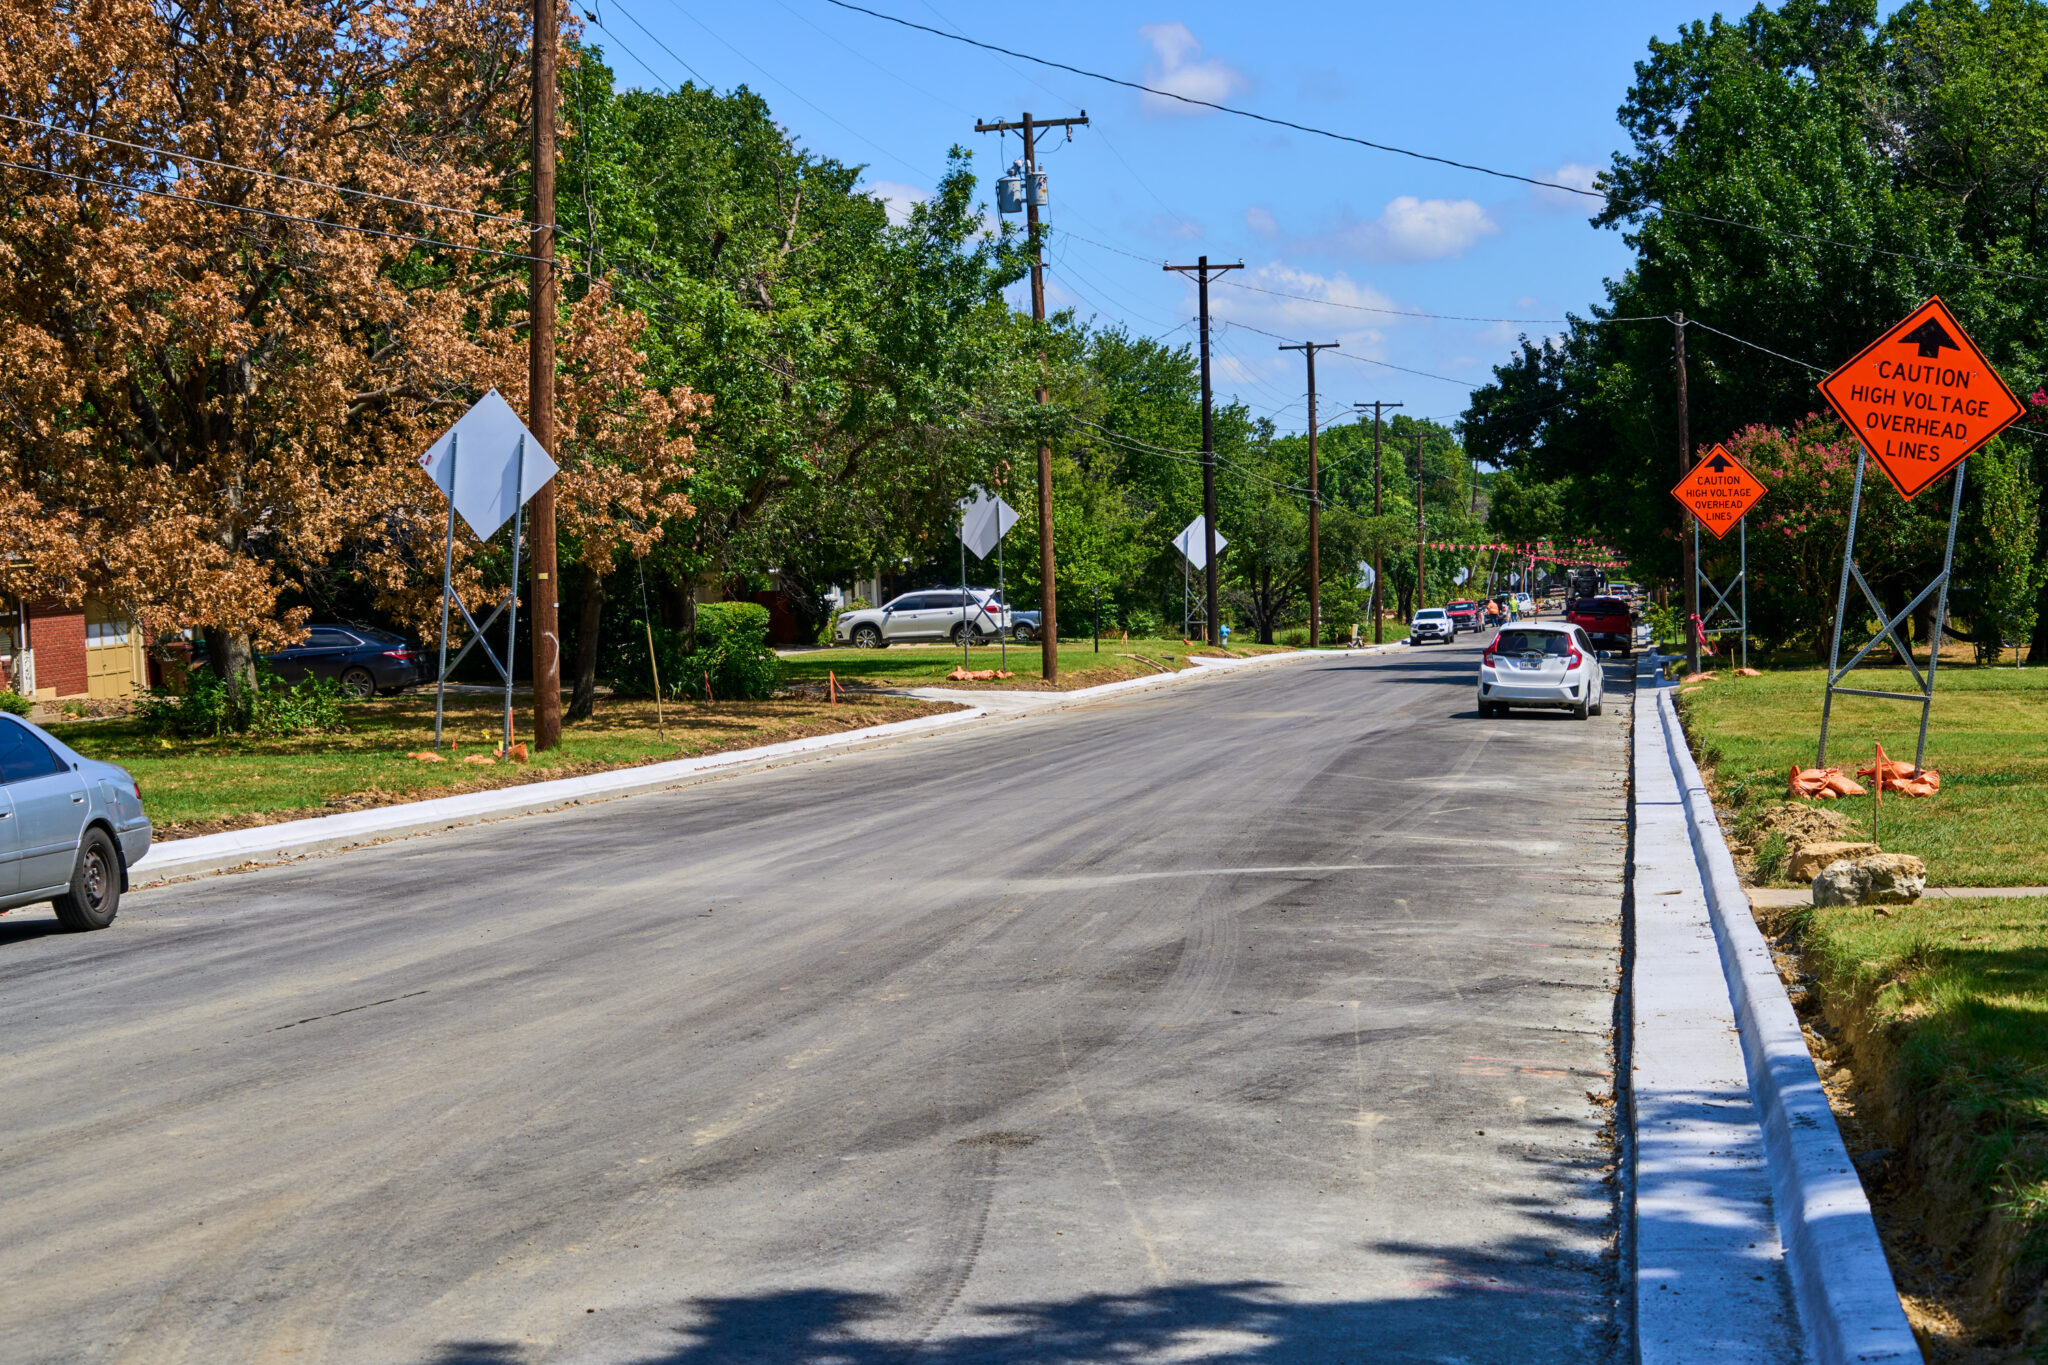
1719 491
1921 397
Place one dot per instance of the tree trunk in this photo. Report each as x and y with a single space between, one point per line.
232 658
1402 598
589 621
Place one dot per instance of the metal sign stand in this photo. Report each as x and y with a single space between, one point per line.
1739 586
1889 630
477 632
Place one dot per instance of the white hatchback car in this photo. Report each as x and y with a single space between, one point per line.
1541 663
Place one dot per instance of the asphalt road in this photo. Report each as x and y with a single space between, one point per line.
1265 1018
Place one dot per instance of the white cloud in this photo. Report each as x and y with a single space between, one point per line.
897 198
1411 229
1261 221
1178 67
1574 174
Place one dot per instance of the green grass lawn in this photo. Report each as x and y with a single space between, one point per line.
1988 740
1948 1002
199 786
928 665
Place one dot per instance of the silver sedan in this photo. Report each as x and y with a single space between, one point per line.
70 827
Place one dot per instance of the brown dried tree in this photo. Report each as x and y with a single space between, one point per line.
254 257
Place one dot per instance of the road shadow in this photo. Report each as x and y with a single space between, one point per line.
1519 1304
14 930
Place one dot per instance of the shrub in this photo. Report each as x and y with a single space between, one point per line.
732 654
1142 624
731 651
273 709
13 702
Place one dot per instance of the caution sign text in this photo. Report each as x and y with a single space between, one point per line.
1719 491
1921 397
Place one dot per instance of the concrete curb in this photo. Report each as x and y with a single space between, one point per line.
332 833
1848 1304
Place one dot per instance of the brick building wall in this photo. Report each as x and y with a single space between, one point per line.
57 634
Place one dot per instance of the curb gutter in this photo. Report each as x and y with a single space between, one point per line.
317 834
1848 1303
1769 1156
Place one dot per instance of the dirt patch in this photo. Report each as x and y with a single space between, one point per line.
1777 830
517 775
1972 1295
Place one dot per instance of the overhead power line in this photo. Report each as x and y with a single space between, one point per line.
1613 201
155 150
267 213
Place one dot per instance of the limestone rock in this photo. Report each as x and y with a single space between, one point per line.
1808 859
1880 879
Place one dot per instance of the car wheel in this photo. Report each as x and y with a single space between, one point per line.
974 636
1596 707
358 683
1486 708
95 894
1582 710
1627 652
867 636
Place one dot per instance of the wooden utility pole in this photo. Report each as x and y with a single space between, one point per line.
1049 615
1378 408
540 401
1202 270
1691 570
1421 568
1315 501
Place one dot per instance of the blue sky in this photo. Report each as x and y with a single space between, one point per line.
1526 88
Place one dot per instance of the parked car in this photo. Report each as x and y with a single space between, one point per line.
1024 625
1606 620
1541 663
928 614
1431 623
1464 614
363 659
70 827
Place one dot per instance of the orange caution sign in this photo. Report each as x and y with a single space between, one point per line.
1921 397
1719 491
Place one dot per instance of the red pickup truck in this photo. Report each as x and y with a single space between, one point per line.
1606 622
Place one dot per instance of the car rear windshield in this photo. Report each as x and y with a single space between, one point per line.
1430 614
1548 642
1603 607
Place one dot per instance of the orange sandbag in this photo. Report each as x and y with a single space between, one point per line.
978 675
426 757
1823 783
1709 676
1747 673
1903 778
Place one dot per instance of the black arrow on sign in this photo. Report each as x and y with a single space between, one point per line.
1719 464
1932 339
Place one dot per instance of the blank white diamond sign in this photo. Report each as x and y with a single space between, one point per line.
490 484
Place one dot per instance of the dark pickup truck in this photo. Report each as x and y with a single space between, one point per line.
1606 621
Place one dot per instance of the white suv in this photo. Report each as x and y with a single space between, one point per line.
1431 623
928 614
